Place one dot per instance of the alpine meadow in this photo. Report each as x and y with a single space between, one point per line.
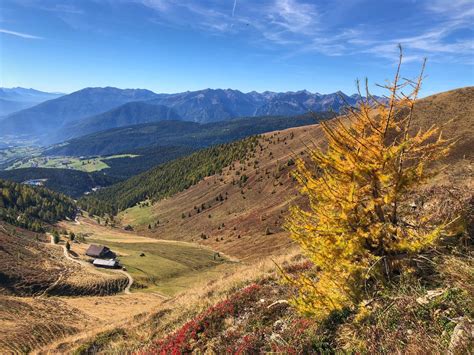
204 177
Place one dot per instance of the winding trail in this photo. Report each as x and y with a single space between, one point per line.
130 281
86 264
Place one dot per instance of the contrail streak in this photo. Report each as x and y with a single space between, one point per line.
24 35
233 9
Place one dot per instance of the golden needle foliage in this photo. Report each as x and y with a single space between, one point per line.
357 224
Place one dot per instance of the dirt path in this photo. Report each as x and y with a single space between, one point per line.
130 282
86 264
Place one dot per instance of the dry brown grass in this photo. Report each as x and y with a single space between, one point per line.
237 225
172 313
416 315
29 323
31 266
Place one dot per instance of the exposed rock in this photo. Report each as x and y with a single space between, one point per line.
462 339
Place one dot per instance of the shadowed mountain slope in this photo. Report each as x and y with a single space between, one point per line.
177 133
70 182
129 114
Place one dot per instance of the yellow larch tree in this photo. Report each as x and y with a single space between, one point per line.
358 186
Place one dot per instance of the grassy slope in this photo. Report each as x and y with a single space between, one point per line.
263 200
167 267
29 322
244 309
404 318
30 267
246 214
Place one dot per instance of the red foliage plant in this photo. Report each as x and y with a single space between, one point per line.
207 324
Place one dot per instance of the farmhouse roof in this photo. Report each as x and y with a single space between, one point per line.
96 250
101 262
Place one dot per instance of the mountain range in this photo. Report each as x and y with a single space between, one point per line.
16 99
95 109
49 116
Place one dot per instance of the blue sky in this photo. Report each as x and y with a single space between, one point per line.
278 45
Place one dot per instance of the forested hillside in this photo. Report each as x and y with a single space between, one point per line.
178 133
144 159
70 182
168 178
32 207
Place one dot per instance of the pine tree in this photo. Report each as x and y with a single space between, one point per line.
56 238
357 227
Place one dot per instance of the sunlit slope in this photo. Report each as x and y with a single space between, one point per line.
245 206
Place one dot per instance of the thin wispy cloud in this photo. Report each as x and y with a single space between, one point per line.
295 17
51 6
437 41
19 34
440 29
303 26
68 9
455 9
159 5
276 43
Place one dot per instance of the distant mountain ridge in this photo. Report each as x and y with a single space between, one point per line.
51 115
212 105
131 113
75 111
15 99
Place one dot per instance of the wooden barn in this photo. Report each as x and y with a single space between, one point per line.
100 251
